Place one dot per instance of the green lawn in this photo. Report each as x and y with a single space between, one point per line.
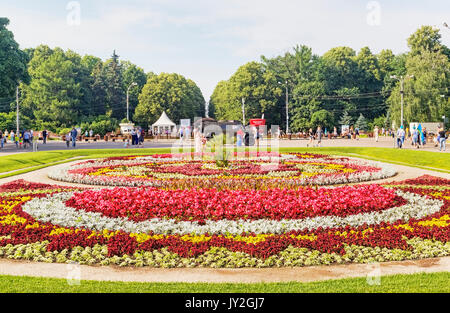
422 159
435 282
37 160
26 162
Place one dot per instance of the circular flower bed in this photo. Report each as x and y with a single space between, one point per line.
240 171
197 227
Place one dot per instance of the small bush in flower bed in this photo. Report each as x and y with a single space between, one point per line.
54 224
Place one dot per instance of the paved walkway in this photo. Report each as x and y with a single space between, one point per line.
245 275
211 275
384 142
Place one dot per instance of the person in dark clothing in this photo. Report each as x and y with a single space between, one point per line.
74 134
442 138
44 136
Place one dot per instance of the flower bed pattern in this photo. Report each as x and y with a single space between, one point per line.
254 171
406 220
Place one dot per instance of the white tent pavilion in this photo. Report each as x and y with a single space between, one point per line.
163 125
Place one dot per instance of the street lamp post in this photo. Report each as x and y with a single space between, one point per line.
17 108
128 90
401 79
287 108
243 111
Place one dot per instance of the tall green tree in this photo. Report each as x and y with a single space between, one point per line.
133 74
425 38
99 104
361 123
423 101
13 65
426 95
305 102
179 97
115 94
259 89
54 95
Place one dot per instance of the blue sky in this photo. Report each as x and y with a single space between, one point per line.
207 40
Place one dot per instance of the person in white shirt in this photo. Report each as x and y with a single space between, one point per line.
400 137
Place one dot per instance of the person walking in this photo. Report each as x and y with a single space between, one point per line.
442 139
12 136
239 137
138 137
424 138
68 140
142 131
44 137
375 133
74 134
1 140
198 140
133 136
415 137
400 137
34 141
15 138
311 137
319 134
26 139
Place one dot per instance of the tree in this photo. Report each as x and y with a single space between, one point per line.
292 70
423 101
322 118
177 96
220 96
305 103
339 69
99 104
13 65
259 89
8 121
133 74
54 95
361 123
425 38
380 121
115 95
90 62
346 119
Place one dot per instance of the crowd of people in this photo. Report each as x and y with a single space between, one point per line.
24 139
137 137
419 137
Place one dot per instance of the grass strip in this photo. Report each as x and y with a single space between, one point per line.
410 283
